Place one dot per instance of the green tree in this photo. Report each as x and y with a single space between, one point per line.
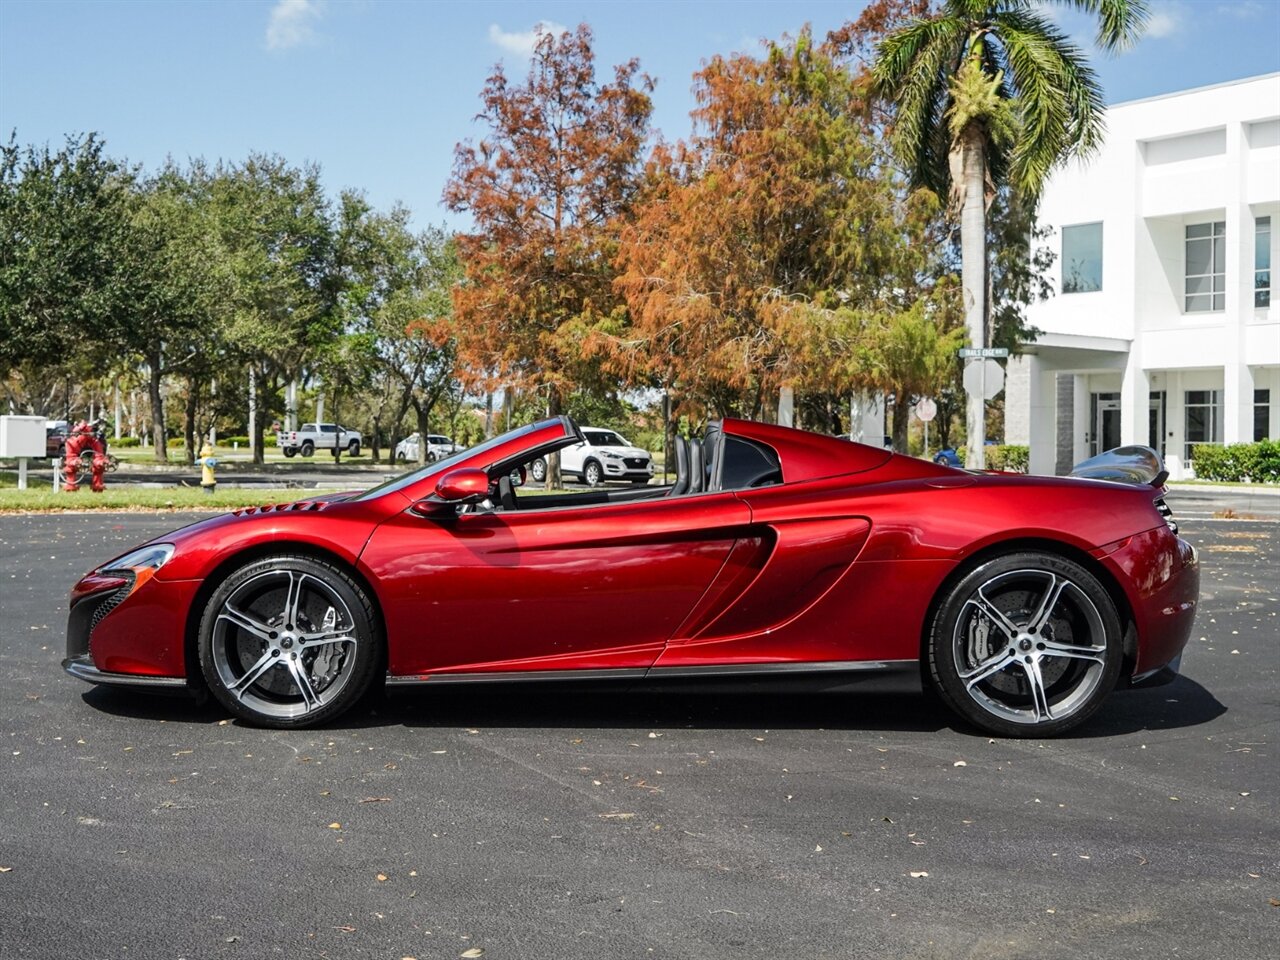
179 283
988 92
63 217
275 225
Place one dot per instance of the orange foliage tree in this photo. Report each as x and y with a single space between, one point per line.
547 187
771 241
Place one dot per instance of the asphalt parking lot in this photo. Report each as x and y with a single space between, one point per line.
709 822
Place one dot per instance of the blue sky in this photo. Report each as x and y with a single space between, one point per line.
379 91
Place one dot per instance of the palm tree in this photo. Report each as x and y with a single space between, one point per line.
991 92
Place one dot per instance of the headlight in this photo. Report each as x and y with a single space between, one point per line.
610 455
151 557
141 564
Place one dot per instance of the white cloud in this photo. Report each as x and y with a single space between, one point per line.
291 23
521 43
1242 9
1165 22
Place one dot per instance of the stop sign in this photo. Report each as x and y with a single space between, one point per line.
926 410
983 378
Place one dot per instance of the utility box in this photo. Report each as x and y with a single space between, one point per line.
22 437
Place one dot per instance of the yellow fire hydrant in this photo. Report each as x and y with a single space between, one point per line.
208 464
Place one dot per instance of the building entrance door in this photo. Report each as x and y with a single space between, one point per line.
1106 423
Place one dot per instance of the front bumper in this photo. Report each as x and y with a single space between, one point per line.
622 470
82 668
121 632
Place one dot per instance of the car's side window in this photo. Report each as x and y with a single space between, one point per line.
742 464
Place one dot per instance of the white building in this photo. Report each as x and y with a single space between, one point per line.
1163 329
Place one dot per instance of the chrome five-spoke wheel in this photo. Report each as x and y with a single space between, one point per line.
1026 645
288 642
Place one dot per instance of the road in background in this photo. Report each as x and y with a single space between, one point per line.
623 822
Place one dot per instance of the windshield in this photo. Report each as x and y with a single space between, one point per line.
604 438
413 476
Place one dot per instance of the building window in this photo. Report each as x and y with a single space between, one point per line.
1082 258
1204 419
1261 415
1262 262
1206 266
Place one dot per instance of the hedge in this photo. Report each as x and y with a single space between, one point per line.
1009 457
1238 462
124 442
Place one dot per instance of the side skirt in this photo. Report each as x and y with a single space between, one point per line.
663 673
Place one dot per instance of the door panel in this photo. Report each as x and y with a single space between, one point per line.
805 559
598 586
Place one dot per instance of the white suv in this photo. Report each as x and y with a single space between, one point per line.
438 446
605 456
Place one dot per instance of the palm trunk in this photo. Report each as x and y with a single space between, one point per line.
973 255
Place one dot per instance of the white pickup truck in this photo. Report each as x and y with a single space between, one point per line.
311 437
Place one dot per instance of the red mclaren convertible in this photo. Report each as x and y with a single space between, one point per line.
1023 601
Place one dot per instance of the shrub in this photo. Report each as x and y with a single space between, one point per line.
269 440
1238 462
124 442
1009 457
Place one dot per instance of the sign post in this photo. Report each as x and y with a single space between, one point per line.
986 377
926 410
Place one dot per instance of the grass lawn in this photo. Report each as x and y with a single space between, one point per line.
44 500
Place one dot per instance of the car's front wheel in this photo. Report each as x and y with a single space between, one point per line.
353 448
1027 645
288 641
592 474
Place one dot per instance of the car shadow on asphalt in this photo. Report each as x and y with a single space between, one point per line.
757 705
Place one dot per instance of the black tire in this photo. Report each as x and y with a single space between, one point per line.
307 448
538 470
290 452
1027 645
267 635
400 457
592 473
353 448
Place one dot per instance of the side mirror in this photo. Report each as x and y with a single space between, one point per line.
458 487
467 484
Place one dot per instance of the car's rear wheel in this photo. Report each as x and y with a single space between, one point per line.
290 452
307 448
288 641
538 470
592 475
1026 645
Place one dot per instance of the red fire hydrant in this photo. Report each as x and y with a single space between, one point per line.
82 439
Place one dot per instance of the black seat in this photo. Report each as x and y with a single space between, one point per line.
506 493
681 447
697 472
